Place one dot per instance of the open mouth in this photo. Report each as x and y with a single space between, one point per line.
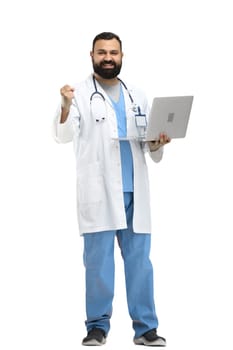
108 65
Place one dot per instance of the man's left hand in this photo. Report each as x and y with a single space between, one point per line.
156 144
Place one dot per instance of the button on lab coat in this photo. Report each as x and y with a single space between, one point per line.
100 201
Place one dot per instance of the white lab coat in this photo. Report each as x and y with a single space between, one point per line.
100 202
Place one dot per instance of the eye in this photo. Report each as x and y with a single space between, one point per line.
101 52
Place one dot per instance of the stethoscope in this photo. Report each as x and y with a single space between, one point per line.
96 92
98 97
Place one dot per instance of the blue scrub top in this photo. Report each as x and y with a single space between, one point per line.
125 149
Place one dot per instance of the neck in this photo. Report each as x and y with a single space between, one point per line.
110 82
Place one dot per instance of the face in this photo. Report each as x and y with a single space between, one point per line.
107 58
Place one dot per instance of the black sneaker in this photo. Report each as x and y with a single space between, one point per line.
95 337
150 338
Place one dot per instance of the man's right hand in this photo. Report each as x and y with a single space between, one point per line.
67 94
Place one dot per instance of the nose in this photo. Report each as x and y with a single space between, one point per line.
108 57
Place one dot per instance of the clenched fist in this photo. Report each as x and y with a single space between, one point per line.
67 94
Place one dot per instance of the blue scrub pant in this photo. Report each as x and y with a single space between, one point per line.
99 263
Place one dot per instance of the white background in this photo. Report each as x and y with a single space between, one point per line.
171 48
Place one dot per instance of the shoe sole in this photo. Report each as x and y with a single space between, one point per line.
143 341
94 342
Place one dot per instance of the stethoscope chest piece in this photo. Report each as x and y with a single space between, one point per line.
134 107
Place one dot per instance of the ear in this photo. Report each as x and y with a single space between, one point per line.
91 54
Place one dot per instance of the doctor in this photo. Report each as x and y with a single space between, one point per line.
99 116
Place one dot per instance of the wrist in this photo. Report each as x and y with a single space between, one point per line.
154 146
65 104
155 149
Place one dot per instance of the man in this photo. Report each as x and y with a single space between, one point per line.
112 190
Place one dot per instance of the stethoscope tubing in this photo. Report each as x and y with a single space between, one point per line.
102 96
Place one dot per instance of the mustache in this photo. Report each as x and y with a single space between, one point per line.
108 62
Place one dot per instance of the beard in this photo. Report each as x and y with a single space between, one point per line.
106 73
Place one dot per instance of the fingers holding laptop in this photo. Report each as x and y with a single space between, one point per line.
156 144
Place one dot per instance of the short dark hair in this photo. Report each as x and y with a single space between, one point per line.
106 36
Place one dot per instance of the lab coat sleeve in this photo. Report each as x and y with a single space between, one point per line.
156 156
63 132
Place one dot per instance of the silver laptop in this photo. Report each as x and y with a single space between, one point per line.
169 115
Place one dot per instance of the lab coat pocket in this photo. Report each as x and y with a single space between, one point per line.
90 184
90 189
